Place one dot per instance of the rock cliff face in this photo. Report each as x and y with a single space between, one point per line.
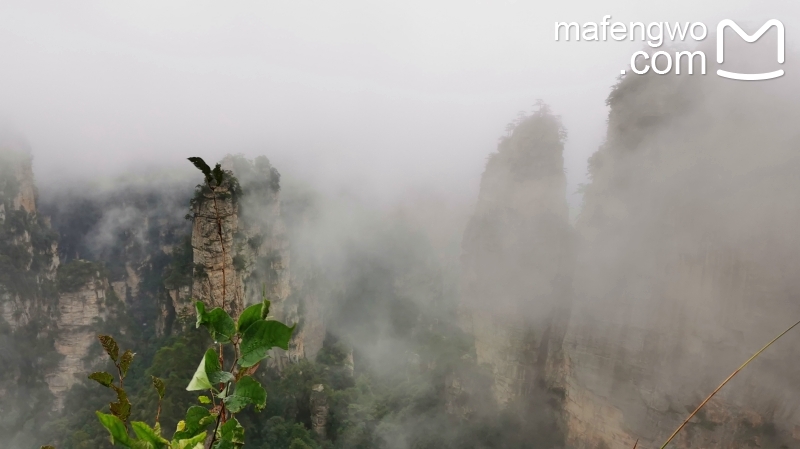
58 304
137 229
81 306
28 255
687 265
517 261
50 311
683 264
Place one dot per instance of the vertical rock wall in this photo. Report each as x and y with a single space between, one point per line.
517 259
687 265
78 313
243 236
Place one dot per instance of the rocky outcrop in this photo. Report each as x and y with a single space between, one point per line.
79 311
241 253
137 228
28 251
216 219
687 262
517 260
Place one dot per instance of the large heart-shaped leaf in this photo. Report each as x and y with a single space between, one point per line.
209 373
219 324
260 337
256 312
247 391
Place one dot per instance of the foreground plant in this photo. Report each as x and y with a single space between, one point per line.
229 390
213 424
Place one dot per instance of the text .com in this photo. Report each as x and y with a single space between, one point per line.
656 33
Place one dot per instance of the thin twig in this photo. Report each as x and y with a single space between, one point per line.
158 410
686 421
214 434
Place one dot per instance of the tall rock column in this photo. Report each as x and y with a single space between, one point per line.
688 264
216 220
28 253
517 261
239 232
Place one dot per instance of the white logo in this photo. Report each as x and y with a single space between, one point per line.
750 39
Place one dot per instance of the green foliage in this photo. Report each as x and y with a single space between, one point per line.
253 314
103 378
197 421
231 435
158 384
235 389
74 275
214 181
260 337
125 361
116 428
24 260
219 324
152 437
110 346
248 391
209 373
203 167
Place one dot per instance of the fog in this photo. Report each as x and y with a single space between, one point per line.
415 214
343 92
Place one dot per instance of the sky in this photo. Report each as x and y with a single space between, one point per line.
387 97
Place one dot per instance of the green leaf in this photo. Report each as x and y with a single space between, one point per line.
125 362
196 442
202 166
260 337
110 345
146 433
231 435
200 379
220 325
248 391
213 369
256 312
204 399
158 384
197 420
119 434
209 373
103 378
122 408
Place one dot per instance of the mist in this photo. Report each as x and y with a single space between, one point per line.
487 238
393 96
